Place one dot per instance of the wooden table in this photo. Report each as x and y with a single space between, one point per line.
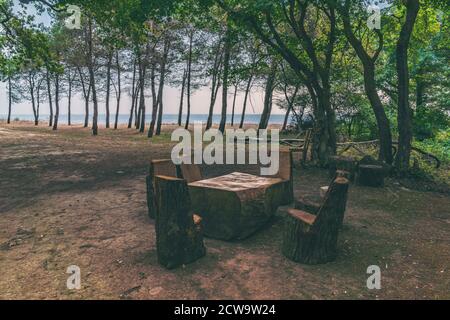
236 205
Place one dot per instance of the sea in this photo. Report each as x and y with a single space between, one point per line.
167 118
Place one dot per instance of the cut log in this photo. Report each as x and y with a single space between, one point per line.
313 240
235 206
347 164
158 167
178 236
371 176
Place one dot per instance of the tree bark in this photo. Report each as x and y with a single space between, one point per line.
49 91
86 95
155 100
189 75
180 111
136 115
161 86
215 85
404 118
142 71
133 95
9 99
92 78
244 108
108 87
69 97
265 116
234 104
290 105
31 83
119 91
55 122
226 71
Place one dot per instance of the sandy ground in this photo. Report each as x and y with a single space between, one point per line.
68 198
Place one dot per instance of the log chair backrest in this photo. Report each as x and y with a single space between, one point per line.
285 171
330 216
191 172
163 167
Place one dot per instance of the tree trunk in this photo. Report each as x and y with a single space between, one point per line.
189 75
244 109
142 70
92 78
290 105
9 99
133 95
215 85
136 111
234 104
33 100
86 95
265 116
49 91
286 118
161 86
180 111
404 118
226 71
55 122
108 87
69 97
155 101
119 91
38 103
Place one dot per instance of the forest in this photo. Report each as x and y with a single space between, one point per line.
320 61
357 206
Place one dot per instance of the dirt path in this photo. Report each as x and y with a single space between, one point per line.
68 198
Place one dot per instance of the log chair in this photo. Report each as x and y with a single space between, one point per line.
179 240
158 167
312 204
311 239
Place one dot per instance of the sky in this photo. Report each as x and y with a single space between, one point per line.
200 99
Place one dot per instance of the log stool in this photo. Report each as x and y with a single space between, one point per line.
312 239
371 175
179 239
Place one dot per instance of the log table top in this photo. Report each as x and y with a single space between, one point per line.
236 181
235 205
